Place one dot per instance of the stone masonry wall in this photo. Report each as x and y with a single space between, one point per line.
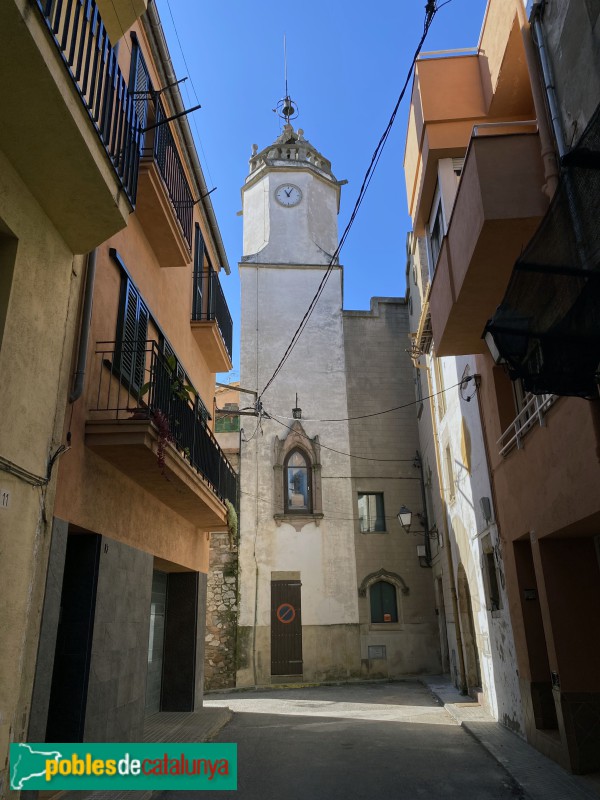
221 614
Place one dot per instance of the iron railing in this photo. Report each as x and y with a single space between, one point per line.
210 304
531 414
81 39
169 163
164 397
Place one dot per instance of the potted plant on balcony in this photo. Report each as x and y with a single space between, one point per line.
176 389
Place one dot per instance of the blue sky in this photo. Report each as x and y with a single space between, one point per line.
347 62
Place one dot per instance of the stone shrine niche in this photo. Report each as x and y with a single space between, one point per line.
297 476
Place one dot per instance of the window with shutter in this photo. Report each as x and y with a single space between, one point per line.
384 608
198 274
132 330
139 84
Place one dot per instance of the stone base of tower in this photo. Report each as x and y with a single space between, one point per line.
340 653
329 653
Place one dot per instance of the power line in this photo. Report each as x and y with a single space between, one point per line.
187 91
327 516
430 13
333 450
461 383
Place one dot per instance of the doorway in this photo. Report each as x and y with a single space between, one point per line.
156 641
467 623
286 628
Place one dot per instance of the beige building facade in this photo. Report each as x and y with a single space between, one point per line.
62 192
111 299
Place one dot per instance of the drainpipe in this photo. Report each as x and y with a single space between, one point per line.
455 609
84 333
547 145
536 18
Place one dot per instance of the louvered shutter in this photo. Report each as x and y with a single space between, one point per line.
131 336
198 274
140 346
128 331
140 85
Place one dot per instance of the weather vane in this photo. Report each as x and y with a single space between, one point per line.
286 108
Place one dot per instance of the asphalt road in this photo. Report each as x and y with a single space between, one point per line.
360 742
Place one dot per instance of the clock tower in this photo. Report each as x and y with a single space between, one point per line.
298 612
290 203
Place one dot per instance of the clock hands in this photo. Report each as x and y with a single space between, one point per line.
287 193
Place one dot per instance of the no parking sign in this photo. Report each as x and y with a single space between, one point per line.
286 613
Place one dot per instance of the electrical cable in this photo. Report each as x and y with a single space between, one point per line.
333 450
326 516
430 13
460 383
186 89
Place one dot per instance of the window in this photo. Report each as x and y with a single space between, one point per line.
435 231
228 423
371 516
490 569
382 596
199 252
297 483
139 84
451 486
439 386
297 478
8 254
457 166
132 330
492 580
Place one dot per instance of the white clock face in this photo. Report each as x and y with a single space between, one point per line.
288 195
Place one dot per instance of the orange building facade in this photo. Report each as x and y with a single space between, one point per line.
143 480
489 107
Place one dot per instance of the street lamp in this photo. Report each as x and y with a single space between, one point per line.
405 518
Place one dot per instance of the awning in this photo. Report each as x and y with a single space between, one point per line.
547 328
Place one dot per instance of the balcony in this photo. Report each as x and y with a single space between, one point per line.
69 126
119 15
532 414
165 204
211 321
156 434
498 207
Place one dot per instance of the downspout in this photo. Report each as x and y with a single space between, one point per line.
540 37
550 90
84 333
455 609
419 465
547 145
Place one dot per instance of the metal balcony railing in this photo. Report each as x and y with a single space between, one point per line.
210 304
164 397
81 39
167 159
531 414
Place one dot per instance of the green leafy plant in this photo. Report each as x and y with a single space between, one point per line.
178 388
232 523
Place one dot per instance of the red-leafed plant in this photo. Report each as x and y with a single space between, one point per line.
160 420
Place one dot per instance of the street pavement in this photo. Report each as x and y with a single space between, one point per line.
354 742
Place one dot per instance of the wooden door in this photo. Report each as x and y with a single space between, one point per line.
286 628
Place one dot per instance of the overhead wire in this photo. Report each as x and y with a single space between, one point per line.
460 383
329 516
430 13
189 74
333 449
